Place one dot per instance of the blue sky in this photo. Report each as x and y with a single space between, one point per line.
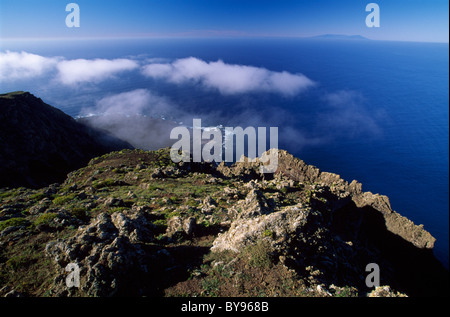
405 20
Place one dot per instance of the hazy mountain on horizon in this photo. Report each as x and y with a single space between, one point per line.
340 37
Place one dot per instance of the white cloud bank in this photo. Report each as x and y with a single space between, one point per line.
23 65
228 78
82 70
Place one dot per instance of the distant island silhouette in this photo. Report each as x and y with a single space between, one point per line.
339 37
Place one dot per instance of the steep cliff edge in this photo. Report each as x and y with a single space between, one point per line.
40 144
363 219
293 169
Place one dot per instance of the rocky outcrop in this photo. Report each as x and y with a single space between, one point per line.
278 228
340 230
108 251
343 193
179 226
385 291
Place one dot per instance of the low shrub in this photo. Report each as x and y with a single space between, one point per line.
259 254
45 219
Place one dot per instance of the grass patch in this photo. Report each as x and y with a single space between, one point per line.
61 200
26 268
45 219
11 193
259 254
79 213
13 222
211 286
269 233
116 209
105 183
38 196
161 223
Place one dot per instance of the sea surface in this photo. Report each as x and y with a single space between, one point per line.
378 113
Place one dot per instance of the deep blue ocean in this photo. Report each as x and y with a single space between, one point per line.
379 112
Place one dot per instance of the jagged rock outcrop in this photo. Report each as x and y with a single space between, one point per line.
346 228
179 226
384 291
107 250
291 168
279 227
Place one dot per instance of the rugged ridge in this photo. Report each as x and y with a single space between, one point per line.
294 169
139 225
40 144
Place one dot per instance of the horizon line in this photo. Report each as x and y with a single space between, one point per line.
217 35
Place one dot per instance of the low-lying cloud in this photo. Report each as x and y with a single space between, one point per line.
133 116
347 115
23 65
83 70
343 114
135 102
228 78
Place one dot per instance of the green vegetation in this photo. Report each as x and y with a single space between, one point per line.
11 193
149 185
211 286
13 222
347 291
102 184
269 233
61 200
162 223
259 254
116 209
135 179
26 268
38 196
45 219
79 212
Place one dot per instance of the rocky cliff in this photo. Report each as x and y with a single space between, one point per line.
40 144
136 224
